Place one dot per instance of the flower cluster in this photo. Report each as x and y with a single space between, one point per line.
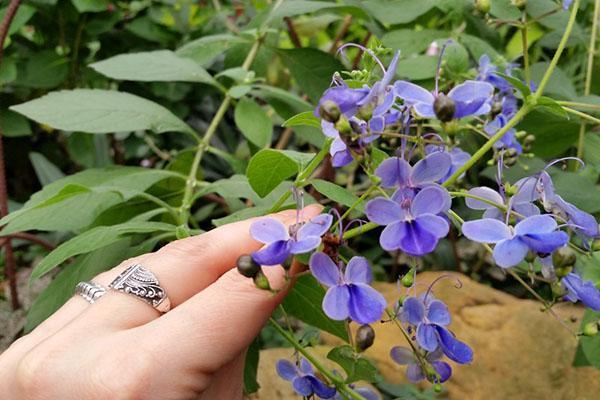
523 221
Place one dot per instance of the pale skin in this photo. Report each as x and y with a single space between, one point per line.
121 348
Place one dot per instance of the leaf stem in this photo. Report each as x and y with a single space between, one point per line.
524 29
574 104
583 116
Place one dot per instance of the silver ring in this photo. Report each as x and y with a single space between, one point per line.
90 291
142 283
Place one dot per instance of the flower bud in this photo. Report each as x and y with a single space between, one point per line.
438 388
247 266
261 281
483 6
444 107
330 111
562 271
557 289
510 161
520 4
510 190
365 336
496 108
590 329
343 126
408 279
563 257
529 139
596 245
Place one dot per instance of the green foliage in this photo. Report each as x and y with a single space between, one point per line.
357 368
253 122
268 168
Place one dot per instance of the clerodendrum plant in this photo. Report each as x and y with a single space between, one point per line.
409 188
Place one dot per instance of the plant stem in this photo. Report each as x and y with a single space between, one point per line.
588 78
360 200
525 109
369 226
335 379
482 199
559 50
523 29
162 204
574 104
583 116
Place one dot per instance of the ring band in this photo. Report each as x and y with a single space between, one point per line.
140 282
90 291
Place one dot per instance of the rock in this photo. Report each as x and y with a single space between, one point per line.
520 351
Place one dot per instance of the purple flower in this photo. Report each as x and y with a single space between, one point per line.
566 4
414 371
584 224
509 140
486 71
347 99
340 154
303 379
537 233
415 228
457 155
349 294
521 202
425 313
470 98
398 172
301 238
581 290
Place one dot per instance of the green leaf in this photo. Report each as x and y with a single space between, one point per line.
306 118
298 7
503 9
205 49
591 150
74 202
44 169
517 83
90 5
153 66
569 185
560 83
100 111
253 122
95 239
304 302
398 11
553 134
337 193
8 71
13 124
44 70
145 28
268 168
478 47
22 16
417 68
251 368
409 41
62 286
357 368
588 351
378 156
88 150
456 58
550 105
311 68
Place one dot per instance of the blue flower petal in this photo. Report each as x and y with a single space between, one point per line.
384 211
268 230
412 94
426 336
417 241
510 252
431 168
358 271
402 355
433 224
437 313
585 291
430 200
274 254
486 230
302 385
453 348
414 373
336 302
536 224
413 311
486 193
321 389
304 245
317 226
392 235
286 370
394 171
366 304
442 368
324 269
545 243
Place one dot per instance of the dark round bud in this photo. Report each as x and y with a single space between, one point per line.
247 266
483 6
330 111
444 107
365 336
563 257
520 4
510 161
511 152
590 329
261 281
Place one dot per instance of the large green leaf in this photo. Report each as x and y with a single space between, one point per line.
74 202
311 68
410 41
90 5
95 239
205 49
298 7
44 70
588 351
100 111
417 68
153 66
560 83
304 302
357 368
337 193
23 14
253 122
398 11
13 124
578 189
268 168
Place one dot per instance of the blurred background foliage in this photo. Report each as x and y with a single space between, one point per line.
192 53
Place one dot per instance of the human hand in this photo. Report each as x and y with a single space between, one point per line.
122 348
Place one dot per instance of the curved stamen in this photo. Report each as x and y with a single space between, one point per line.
336 213
298 196
439 66
563 159
364 49
457 285
349 224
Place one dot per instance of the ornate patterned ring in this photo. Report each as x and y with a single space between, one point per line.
140 282
90 291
